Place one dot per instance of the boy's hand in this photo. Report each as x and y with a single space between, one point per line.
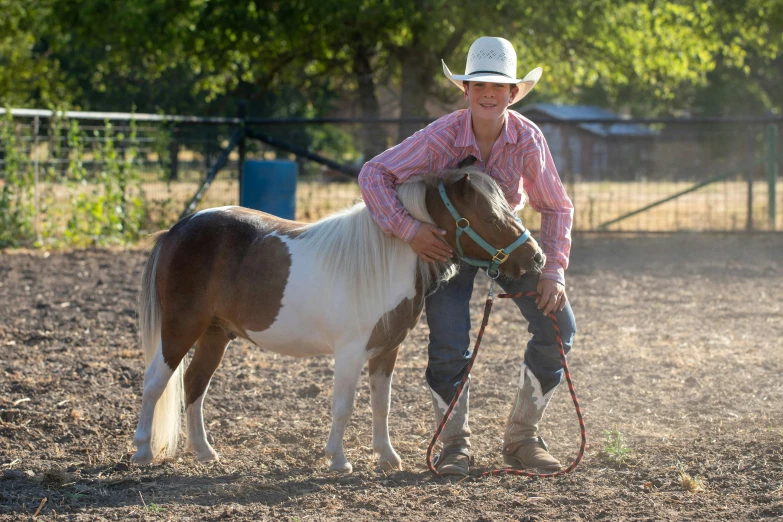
429 245
553 296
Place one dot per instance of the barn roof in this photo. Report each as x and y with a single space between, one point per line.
590 112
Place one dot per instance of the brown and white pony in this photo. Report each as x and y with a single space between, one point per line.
339 286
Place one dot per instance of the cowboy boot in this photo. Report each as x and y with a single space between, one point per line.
522 446
454 458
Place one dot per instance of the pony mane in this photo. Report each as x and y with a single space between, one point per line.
411 192
359 257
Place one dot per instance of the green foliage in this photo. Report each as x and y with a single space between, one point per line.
333 141
160 214
155 508
17 205
161 142
108 207
615 449
48 224
650 57
28 73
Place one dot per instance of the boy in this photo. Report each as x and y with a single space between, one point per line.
513 151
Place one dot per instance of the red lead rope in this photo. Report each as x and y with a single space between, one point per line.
512 471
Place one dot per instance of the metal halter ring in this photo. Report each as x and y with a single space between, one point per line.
465 220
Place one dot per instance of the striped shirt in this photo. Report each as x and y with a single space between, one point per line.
519 160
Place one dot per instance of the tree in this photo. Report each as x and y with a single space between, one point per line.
749 69
295 58
27 70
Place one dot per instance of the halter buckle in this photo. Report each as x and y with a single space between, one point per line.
466 221
500 256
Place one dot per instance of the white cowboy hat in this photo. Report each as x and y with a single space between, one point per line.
493 60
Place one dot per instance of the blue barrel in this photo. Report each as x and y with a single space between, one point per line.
269 186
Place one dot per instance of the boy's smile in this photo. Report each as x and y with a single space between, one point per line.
489 100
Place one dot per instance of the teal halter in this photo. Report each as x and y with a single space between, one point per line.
499 256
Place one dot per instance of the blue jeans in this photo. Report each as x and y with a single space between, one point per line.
450 347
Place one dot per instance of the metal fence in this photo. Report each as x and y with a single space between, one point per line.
648 175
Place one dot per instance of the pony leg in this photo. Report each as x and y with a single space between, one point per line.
156 379
381 370
159 426
209 352
347 368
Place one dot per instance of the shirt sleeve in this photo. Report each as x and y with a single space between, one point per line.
548 196
380 175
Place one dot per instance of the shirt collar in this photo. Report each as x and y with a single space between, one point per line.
465 137
510 129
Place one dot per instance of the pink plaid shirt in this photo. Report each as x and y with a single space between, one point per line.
520 154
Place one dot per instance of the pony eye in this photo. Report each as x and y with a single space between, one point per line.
491 219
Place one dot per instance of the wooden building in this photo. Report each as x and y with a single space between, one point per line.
594 151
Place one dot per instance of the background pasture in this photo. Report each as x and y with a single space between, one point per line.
78 179
719 207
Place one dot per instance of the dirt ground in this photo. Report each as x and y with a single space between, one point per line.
677 352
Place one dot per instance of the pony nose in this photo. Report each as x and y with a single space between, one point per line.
538 258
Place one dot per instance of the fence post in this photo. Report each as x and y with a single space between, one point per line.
241 145
751 168
36 188
173 156
772 172
208 143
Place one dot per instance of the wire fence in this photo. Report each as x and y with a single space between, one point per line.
622 175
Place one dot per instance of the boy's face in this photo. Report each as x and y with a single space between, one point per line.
489 101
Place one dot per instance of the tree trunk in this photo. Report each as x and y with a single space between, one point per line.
417 81
420 65
173 158
374 141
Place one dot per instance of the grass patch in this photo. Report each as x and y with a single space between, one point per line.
615 449
155 508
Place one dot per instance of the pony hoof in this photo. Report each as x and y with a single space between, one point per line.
390 465
388 460
341 467
208 456
142 456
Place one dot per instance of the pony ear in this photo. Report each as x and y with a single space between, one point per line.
462 184
467 162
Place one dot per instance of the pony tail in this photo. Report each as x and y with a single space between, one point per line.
168 410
